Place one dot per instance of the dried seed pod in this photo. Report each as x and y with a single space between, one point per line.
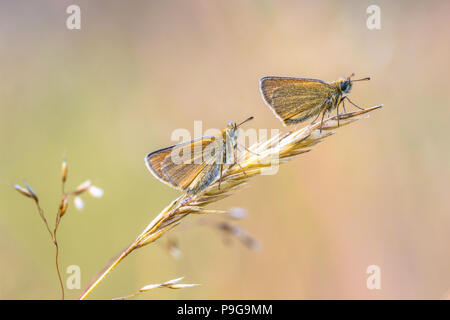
63 206
22 190
64 171
83 187
31 191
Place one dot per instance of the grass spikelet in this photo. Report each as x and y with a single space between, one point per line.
254 161
171 284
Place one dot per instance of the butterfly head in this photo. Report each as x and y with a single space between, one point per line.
232 130
345 85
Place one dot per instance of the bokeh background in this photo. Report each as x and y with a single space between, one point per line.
376 193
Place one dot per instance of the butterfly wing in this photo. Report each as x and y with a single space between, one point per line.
179 165
294 100
204 178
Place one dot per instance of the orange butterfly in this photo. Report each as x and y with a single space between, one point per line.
294 100
192 166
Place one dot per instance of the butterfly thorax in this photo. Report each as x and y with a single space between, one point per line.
230 136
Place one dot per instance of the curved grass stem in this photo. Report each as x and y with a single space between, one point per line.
282 147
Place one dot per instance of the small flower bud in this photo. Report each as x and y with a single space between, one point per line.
172 248
173 281
149 287
79 203
23 191
183 285
96 192
64 171
31 191
237 213
83 187
63 206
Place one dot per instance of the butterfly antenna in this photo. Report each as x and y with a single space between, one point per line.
246 120
363 79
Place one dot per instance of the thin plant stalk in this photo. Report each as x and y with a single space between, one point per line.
62 209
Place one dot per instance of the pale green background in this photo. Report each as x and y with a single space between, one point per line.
104 96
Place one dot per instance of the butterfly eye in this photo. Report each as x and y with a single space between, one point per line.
345 86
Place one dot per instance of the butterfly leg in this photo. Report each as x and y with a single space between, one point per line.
354 104
337 113
343 105
237 162
329 111
220 177
315 119
248 150
242 169
321 121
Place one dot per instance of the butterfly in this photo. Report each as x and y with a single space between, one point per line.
194 165
294 100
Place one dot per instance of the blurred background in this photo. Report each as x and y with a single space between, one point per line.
376 193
